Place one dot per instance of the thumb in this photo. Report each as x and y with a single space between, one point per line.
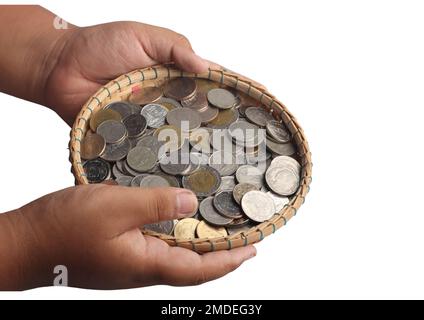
124 208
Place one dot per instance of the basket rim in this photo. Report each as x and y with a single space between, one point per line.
134 80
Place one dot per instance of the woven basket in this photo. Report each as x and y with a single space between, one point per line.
123 86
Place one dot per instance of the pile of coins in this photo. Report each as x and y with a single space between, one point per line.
196 134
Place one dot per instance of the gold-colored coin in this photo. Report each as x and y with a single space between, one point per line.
103 115
186 228
171 137
92 146
207 231
204 182
224 119
169 106
146 95
204 85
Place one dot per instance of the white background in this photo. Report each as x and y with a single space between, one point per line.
352 72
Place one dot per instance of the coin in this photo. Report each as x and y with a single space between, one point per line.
223 162
117 151
211 215
129 171
278 131
171 138
175 163
225 204
164 227
92 146
199 102
227 183
208 114
103 115
112 131
221 98
172 181
237 223
155 115
258 116
141 159
169 103
116 172
241 189
204 182
136 124
282 180
282 149
154 181
96 170
150 142
186 228
135 182
124 181
184 118
204 85
246 133
285 161
199 158
250 174
221 141
199 140
258 206
279 201
123 108
205 231
224 119
145 95
180 88
242 111
239 229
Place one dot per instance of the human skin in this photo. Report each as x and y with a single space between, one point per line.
93 230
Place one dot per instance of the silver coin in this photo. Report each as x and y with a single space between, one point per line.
208 114
184 118
170 101
224 162
241 189
128 171
112 131
285 161
164 227
172 181
282 149
124 181
135 182
120 165
258 206
150 142
258 116
227 183
198 102
200 140
245 133
221 140
96 170
176 163
279 201
154 181
141 159
123 108
240 229
224 119
136 124
225 204
211 215
221 98
250 174
116 151
135 108
116 172
155 115
193 167
282 180
199 158
278 131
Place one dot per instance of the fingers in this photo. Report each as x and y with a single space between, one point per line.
122 208
181 267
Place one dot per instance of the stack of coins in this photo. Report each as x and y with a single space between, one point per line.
195 134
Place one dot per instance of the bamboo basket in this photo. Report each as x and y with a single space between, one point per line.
120 88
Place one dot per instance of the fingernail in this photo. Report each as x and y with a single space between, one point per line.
186 202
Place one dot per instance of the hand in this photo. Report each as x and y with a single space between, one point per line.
94 231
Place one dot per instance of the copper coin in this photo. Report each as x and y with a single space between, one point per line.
92 146
180 88
146 95
224 119
204 182
103 115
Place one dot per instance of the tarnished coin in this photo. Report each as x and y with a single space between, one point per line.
250 174
186 228
205 231
171 138
154 181
155 115
211 215
246 134
208 114
233 230
199 140
241 189
141 159
169 103
279 201
96 170
136 124
278 131
285 161
116 172
118 151
258 206
221 98
112 131
258 116
146 95
227 183
204 85
204 182
172 181
176 163
224 162
135 182
199 102
225 204
164 227
282 149
129 171
103 115
242 110
124 181
282 180
224 119
123 108
150 142
92 146
180 88
184 118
